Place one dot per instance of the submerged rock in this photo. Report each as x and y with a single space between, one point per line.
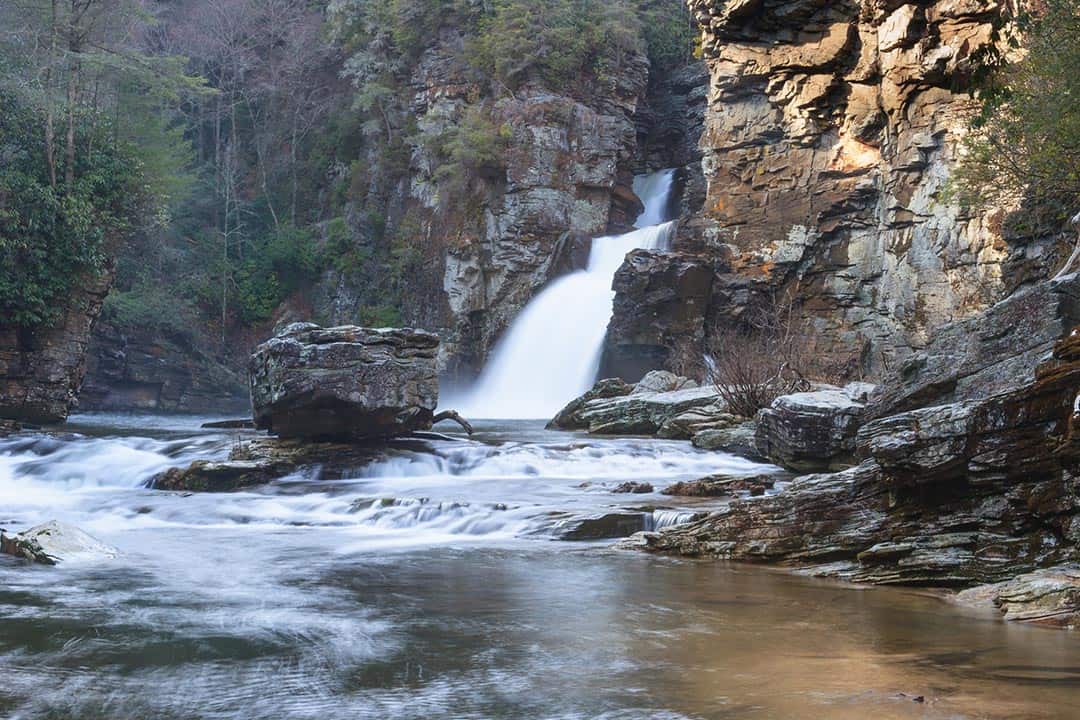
345 383
54 542
264 460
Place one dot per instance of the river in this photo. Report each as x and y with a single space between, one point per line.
442 594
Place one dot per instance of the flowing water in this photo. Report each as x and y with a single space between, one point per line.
429 585
551 352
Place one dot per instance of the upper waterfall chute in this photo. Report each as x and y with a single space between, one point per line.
551 352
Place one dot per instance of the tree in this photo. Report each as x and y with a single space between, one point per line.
1024 147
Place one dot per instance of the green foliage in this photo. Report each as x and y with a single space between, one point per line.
671 35
154 307
557 41
282 263
1025 142
472 147
51 236
380 316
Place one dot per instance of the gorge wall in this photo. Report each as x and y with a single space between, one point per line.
565 176
829 135
42 369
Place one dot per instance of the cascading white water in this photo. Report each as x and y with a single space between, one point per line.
551 353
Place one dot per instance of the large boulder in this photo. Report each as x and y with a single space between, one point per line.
344 383
811 431
633 412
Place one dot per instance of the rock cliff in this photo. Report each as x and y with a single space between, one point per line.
144 370
565 176
829 136
42 369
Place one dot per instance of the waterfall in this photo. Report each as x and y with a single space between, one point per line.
551 352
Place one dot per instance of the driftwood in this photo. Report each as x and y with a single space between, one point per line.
1075 253
453 415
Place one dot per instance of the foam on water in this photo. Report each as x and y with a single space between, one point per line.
451 492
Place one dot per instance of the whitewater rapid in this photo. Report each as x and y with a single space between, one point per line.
507 484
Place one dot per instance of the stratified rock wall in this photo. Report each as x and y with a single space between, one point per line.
829 136
566 176
42 369
144 370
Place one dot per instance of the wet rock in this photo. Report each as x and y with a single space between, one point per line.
603 527
229 425
263 460
686 425
228 476
567 418
9 427
1050 596
723 486
55 542
344 383
636 488
641 413
740 439
811 431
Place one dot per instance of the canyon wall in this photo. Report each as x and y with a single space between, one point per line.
42 369
564 176
830 133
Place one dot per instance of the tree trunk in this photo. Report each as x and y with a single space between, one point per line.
50 120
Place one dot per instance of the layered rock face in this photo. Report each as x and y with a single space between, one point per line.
144 371
830 132
973 490
566 175
661 300
41 370
344 383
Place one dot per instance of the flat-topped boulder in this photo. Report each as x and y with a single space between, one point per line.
344 383
637 413
812 431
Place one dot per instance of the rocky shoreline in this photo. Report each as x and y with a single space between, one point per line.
977 488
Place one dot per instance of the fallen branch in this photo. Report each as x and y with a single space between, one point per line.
453 415
1075 253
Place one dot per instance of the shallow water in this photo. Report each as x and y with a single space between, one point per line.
453 601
